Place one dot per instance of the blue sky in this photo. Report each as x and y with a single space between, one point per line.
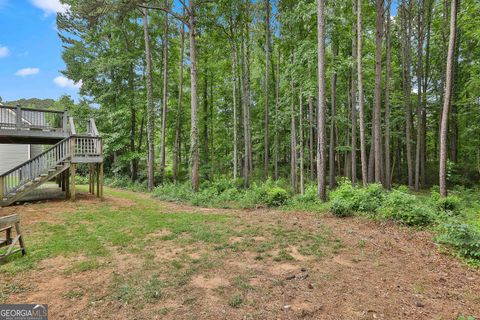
30 51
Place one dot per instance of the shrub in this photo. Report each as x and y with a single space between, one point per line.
370 198
276 196
450 204
174 192
348 194
405 208
341 207
463 237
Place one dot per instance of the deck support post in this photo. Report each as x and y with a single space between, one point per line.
73 168
99 174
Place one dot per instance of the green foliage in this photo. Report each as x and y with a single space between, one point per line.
449 204
370 198
123 182
276 197
462 237
347 199
341 207
405 208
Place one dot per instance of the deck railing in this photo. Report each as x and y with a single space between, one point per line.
73 147
19 118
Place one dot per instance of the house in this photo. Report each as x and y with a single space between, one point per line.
12 155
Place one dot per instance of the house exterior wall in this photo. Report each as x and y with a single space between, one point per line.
11 155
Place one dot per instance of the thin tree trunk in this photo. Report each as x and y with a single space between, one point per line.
311 138
426 80
178 124
446 102
321 161
387 100
195 159
363 147
406 22
165 97
293 140
206 159
418 145
277 102
267 61
300 137
234 94
354 102
133 124
377 129
150 105
331 154
246 120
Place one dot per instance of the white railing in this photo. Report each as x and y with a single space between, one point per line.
18 118
86 146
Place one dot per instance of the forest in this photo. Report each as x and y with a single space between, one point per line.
374 91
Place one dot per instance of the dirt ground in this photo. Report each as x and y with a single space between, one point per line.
377 271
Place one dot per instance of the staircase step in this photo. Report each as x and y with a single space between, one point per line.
37 179
28 184
43 175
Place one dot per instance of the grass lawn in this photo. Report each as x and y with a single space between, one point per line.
132 256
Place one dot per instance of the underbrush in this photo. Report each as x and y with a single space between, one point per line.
454 219
227 193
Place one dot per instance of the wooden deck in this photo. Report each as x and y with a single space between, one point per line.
32 126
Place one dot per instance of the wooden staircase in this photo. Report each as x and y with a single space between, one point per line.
62 157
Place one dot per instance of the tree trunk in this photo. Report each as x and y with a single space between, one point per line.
321 161
150 105
311 138
293 141
267 61
246 118
234 94
446 101
195 159
406 26
331 153
363 147
388 179
418 145
377 129
206 159
300 137
133 125
354 103
178 124
277 103
165 97
426 79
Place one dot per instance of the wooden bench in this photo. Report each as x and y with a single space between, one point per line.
7 224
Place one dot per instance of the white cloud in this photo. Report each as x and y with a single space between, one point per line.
64 82
50 6
27 72
4 51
